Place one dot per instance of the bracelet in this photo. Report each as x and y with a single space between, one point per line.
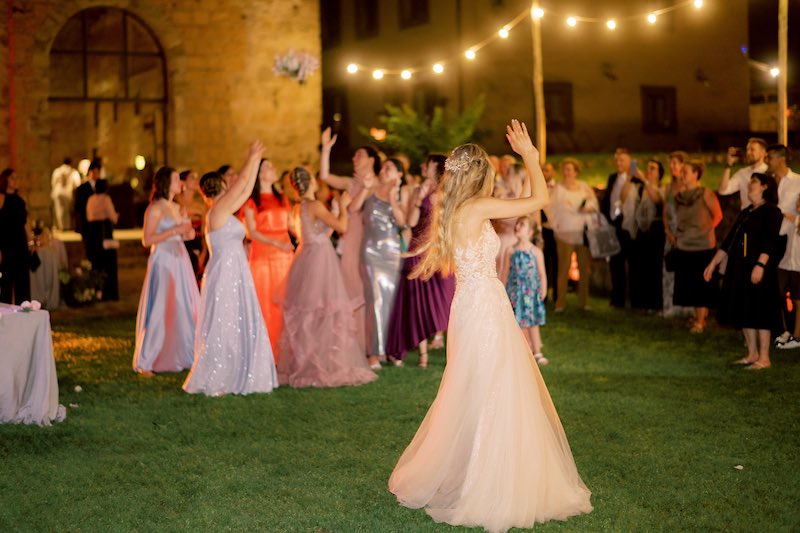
762 265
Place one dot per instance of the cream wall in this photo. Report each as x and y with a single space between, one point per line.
606 113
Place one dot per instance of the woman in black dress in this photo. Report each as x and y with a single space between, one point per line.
749 298
15 284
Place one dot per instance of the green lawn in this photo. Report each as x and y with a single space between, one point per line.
657 420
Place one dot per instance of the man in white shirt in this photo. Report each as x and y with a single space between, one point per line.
756 152
64 181
789 267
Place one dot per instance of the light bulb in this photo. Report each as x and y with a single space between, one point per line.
470 54
572 22
352 68
537 12
406 74
377 74
503 33
438 68
651 18
698 3
774 72
611 24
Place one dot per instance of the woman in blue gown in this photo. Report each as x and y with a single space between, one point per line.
232 353
170 299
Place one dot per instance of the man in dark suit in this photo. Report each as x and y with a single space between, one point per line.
611 208
82 194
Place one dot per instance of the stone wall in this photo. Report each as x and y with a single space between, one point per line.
220 86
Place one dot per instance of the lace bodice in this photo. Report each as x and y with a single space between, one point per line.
312 230
476 260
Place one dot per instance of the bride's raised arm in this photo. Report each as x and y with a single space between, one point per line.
534 190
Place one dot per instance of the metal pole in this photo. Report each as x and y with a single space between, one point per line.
783 64
538 85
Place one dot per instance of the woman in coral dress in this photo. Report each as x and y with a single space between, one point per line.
266 217
319 347
491 451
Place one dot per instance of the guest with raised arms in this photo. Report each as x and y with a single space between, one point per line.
232 353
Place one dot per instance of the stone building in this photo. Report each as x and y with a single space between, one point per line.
682 82
187 83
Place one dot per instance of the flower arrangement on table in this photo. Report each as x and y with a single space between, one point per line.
82 286
296 65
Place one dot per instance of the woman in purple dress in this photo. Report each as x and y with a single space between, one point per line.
421 308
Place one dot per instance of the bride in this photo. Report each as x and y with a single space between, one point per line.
491 451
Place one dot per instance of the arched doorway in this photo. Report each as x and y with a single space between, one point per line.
108 93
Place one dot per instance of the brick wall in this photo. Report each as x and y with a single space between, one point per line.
221 89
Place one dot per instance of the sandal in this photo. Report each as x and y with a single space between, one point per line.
423 360
540 359
438 341
758 366
697 328
744 361
394 360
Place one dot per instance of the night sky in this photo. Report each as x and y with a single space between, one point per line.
763 36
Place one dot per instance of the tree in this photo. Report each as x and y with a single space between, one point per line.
417 136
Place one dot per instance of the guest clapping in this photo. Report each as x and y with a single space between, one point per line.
571 211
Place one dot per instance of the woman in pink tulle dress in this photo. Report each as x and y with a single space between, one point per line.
366 165
319 345
491 451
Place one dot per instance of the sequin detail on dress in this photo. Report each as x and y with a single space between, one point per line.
231 346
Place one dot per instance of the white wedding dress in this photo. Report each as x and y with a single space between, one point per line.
491 450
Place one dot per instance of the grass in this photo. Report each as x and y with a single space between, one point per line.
657 420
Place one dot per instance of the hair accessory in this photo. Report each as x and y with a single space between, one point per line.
457 162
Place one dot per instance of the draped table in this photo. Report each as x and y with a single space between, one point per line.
28 382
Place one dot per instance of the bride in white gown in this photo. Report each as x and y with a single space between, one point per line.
491 451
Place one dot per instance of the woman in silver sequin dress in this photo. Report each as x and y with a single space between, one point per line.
232 353
380 255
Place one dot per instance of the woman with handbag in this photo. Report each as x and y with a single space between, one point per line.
101 248
698 213
571 210
749 299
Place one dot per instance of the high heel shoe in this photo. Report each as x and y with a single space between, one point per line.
423 360
438 341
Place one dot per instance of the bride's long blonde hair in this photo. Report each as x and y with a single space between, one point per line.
468 173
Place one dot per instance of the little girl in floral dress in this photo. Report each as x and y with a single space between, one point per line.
525 279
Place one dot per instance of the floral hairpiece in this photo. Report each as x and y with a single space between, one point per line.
457 162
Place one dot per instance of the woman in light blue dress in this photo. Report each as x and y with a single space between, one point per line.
170 299
232 353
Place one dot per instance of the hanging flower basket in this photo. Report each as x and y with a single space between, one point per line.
295 65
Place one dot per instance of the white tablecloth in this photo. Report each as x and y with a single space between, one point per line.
28 382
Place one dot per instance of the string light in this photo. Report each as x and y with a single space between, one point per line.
774 72
536 13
